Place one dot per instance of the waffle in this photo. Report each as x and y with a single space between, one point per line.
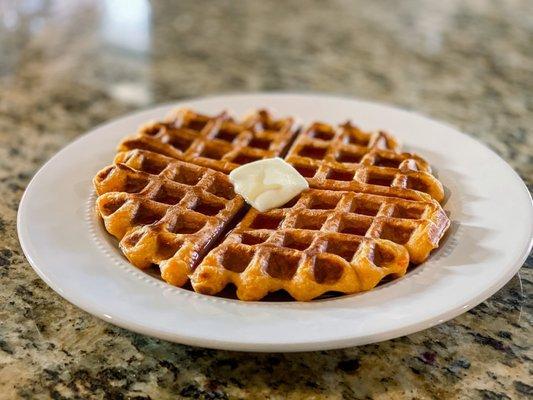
218 142
371 209
323 241
164 211
346 158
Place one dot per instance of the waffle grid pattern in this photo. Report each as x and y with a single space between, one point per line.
346 158
370 212
217 142
164 211
324 241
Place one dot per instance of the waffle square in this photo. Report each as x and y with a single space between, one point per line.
322 241
218 142
346 158
164 211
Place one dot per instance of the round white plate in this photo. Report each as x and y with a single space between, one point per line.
489 239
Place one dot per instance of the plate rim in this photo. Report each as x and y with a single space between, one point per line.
233 345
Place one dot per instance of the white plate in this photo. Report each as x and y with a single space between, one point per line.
489 240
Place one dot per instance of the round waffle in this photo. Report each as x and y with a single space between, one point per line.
371 209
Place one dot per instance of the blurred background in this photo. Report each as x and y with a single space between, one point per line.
77 63
68 65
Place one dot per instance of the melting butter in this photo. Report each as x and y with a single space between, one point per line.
267 184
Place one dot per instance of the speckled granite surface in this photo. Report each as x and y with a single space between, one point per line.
67 66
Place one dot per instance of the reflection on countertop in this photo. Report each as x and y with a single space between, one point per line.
68 66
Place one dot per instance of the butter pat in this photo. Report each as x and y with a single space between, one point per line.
267 184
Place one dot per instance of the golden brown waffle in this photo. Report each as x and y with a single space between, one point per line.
164 211
323 241
218 142
376 211
346 158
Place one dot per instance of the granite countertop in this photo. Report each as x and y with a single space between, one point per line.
68 66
